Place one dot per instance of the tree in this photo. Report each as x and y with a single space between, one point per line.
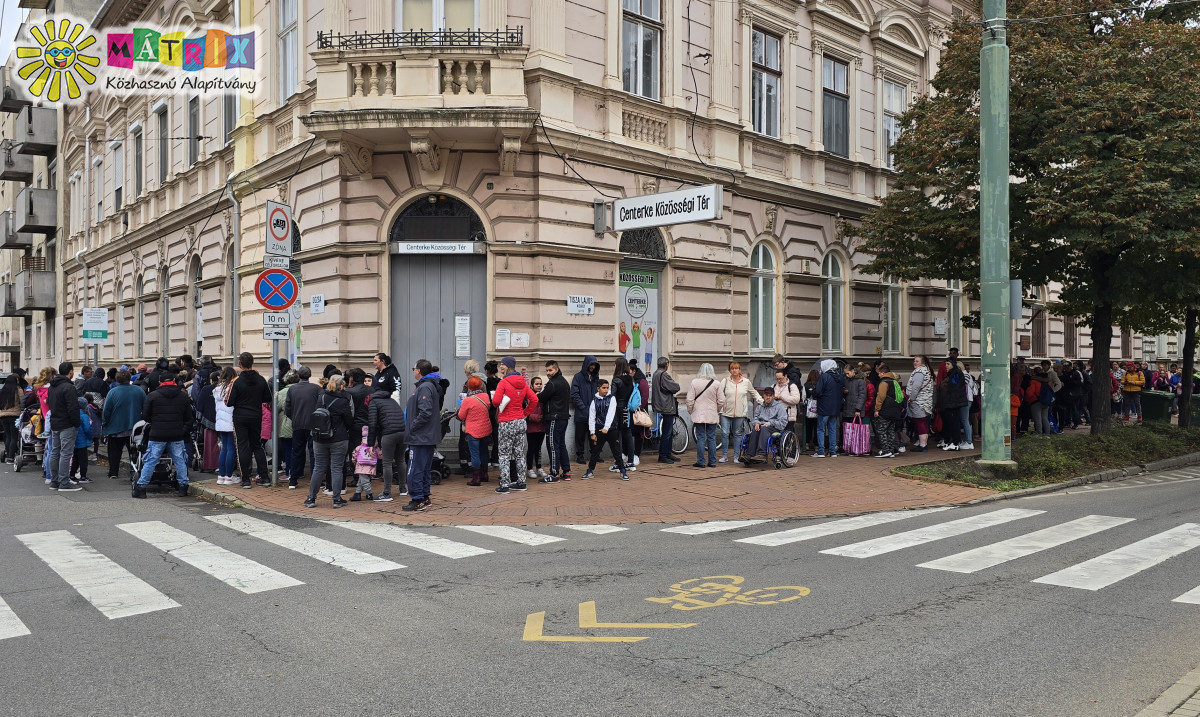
1104 162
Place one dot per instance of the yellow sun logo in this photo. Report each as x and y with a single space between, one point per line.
58 60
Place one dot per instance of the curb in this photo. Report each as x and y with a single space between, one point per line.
1174 696
214 495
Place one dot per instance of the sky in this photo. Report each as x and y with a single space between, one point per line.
10 20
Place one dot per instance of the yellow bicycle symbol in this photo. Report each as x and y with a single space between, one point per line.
717 590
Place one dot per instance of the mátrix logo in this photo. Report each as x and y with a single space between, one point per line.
58 59
213 49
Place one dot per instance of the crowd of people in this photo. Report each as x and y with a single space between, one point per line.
353 427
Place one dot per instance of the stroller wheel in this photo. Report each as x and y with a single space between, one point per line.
435 477
17 464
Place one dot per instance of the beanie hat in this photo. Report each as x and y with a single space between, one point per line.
510 362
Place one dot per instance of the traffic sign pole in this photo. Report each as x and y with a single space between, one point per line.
274 412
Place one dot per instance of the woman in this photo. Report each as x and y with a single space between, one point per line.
704 402
223 425
639 433
621 390
285 423
791 396
385 431
920 400
206 408
10 409
953 398
854 399
470 368
535 433
38 397
329 452
475 412
740 398
810 422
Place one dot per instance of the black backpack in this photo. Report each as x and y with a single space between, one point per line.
322 421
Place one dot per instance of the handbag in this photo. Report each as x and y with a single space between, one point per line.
810 408
641 419
856 437
267 418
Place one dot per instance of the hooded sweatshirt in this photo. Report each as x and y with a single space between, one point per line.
62 400
521 400
828 391
584 386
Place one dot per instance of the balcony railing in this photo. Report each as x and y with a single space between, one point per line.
508 37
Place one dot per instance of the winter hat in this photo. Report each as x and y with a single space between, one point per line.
510 362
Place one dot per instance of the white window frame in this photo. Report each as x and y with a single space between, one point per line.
164 142
761 76
117 148
892 330
98 173
831 88
139 158
763 298
438 20
636 14
193 124
895 103
833 304
287 48
229 115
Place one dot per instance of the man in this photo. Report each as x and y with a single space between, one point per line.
793 373
94 382
514 402
62 401
387 376
385 426
281 368
556 409
663 389
953 355
423 431
583 388
169 413
122 409
769 417
247 396
84 374
298 406
201 379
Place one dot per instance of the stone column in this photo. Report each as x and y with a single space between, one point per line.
721 107
818 105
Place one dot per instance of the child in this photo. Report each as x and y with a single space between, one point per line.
365 459
601 412
535 433
83 441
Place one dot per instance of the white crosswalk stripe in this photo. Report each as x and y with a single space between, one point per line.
228 567
712 526
1191 596
1102 571
356 561
991 555
509 533
834 527
413 539
594 529
10 624
920 536
112 589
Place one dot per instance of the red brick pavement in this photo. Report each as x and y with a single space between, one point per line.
656 493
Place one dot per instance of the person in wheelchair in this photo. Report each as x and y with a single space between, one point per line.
770 417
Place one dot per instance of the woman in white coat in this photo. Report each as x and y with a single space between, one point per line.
740 397
228 456
704 402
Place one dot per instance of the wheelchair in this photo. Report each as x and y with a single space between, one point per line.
783 450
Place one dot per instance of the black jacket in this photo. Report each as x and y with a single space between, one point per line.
247 395
63 402
622 389
207 407
359 395
300 402
95 384
168 410
340 418
555 398
388 379
583 387
384 416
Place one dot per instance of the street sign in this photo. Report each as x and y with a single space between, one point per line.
695 204
276 333
274 261
95 326
277 318
279 229
276 289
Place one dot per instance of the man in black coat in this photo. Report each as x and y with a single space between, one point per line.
247 396
169 413
62 401
94 383
299 405
556 409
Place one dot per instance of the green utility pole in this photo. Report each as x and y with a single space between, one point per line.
993 233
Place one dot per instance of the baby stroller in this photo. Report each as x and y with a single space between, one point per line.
31 446
438 468
164 472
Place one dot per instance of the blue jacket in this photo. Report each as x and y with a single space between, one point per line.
422 416
829 393
584 386
122 409
83 436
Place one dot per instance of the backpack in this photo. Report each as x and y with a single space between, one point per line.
635 399
322 421
1047 395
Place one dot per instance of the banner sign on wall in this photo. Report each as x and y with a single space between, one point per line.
637 310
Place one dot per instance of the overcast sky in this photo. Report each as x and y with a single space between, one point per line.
10 20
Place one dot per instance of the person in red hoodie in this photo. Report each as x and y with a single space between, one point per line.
514 401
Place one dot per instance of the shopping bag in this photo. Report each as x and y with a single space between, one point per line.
856 437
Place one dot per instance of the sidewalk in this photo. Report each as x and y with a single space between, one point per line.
655 493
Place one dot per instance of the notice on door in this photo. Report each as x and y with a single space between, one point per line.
637 332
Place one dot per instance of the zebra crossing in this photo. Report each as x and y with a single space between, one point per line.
116 592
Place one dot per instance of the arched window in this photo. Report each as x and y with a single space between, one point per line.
646 243
832 303
762 298
197 338
893 314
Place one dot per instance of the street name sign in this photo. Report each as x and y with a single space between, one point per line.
695 204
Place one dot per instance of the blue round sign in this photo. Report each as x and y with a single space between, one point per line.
276 289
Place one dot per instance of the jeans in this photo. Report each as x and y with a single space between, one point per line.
249 446
964 417
46 457
285 452
1041 422
706 440
295 463
328 461
666 435
478 448
556 441
227 459
391 446
418 471
154 451
827 428
732 427
117 445
61 455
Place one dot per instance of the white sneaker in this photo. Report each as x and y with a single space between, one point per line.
901 449
637 460
531 474
950 447
722 460
966 446
613 468
735 459
541 473
630 468
326 491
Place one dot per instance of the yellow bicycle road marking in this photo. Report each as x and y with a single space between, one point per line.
587 618
533 633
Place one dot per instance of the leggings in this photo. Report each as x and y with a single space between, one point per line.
533 455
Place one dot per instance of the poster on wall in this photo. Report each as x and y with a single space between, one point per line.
637 332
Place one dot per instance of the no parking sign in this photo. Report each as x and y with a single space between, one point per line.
276 289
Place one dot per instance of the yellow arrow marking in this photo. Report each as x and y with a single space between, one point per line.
533 633
587 618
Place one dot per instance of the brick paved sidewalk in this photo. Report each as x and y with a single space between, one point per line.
655 493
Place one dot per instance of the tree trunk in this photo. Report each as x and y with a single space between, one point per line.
1101 368
1189 361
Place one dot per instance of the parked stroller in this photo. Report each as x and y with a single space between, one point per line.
439 469
31 446
164 472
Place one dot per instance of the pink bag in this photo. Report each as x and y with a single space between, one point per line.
856 437
266 422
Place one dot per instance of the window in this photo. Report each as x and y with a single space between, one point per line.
137 162
118 162
765 81
895 101
73 219
835 78
954 320
437 14
141 320
164 315
230 111
164 146
641 36
831 304
288 58
1071 338
193 130
98 173
762 299
893 314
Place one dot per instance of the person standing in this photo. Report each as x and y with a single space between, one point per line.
556 408
286 430
329 447
83 441
358 391
422 433
63 401
622 388
887 412
828 393
638 432
953 396
514 402
387 376
247 396
475 414
227 459
169 413
704 402
920 401
602 417
385 427
740 397
790 395
535 436
662 399
10 409
1132 383
298 405
854 399
583 387
122 409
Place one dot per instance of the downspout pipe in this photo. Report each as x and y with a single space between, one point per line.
235 277
87 225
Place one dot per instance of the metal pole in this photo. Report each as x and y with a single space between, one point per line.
274 413
993 233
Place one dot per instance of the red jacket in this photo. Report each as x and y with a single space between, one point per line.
514 387
475 415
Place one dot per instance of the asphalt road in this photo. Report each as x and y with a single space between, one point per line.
877 634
